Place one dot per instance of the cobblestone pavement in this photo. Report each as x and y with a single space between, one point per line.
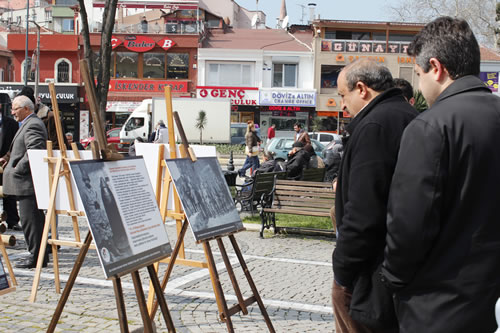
293 275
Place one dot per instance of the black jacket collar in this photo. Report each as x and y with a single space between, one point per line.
382 96
463 84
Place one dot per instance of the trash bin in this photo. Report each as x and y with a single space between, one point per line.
230 177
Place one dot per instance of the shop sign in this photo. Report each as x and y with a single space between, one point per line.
139 43
363 47
490 79
165 43
117 106
115 42
64 93
288 97
147 86
265 108
238 95
150 4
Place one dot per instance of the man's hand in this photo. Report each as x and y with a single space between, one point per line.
3 162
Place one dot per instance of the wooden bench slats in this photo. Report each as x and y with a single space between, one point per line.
304 199
304 194
301 183
297 212
308 204
298 190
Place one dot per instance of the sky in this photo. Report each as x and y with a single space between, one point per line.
368 10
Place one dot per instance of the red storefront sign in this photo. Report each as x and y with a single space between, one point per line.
172 6
139 43
147 86
238 95
115 41
165 43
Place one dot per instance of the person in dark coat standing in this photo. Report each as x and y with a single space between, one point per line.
442 257
17 180
8 129
380 114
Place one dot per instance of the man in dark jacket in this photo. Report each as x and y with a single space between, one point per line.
297 160
380 114
8 129
443 251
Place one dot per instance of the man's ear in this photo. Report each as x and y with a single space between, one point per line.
362 89
438 70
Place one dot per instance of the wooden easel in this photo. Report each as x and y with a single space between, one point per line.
58 167
12 281
122 316
182 222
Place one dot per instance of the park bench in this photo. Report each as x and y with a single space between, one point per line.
313 175
299 198
248 196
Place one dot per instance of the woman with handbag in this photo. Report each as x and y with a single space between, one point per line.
251 149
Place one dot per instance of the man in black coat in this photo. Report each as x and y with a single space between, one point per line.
8 129
298 159
380 113
443 248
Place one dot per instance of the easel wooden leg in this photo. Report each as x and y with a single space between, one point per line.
221 300
170 267
148 327
230 271
55 255
45 234
120 304
251 283
70 283
161 299
7 262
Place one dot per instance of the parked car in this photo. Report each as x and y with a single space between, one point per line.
325 137
238 131
282 146
112 135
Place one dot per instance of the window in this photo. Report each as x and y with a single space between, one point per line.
154 65
68 25
48 15
230 74
126 65
62 70
329 75
134 123
284 75
177 65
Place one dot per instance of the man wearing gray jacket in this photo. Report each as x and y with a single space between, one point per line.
17 180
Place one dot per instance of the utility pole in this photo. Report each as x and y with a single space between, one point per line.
37 70
26 51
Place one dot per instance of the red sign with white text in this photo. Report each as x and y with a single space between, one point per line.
115 41
147 86
165 43
139 43
238 95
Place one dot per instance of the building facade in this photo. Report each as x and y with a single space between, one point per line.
338 43
268 74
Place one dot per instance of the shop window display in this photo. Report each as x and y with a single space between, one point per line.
177 65
154 66
126 65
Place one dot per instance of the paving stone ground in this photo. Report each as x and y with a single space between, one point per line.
293 275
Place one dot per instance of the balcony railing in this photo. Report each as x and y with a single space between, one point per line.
182 28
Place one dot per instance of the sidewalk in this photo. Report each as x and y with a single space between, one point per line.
293 276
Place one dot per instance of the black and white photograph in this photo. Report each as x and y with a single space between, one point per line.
205 197
122 213
4 283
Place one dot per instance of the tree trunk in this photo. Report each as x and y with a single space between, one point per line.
103 77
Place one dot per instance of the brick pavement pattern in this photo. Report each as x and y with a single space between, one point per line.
293 275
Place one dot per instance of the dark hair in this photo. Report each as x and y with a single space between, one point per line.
269 155
299 125
28 92
371 73
405 86
452 42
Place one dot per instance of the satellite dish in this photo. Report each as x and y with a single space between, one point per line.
255 19
284 24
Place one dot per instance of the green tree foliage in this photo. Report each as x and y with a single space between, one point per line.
420 103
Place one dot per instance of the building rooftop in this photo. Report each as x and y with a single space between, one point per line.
264 39
488 54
